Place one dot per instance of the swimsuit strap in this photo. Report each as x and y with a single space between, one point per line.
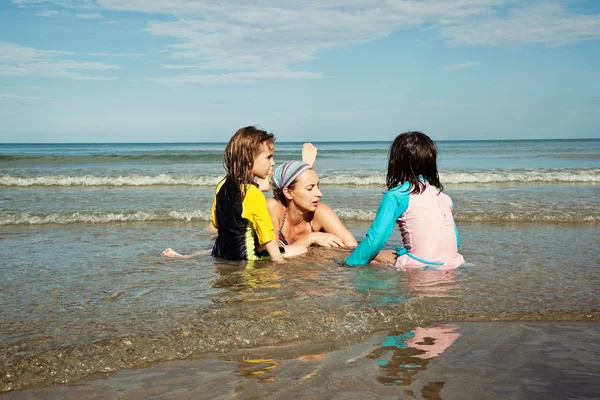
282 240
284 217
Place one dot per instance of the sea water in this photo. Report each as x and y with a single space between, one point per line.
83 287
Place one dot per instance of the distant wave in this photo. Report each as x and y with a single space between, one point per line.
589 176
131 180
180 157
524 176
493 216
100 217
488 176
345 214
530 217
175 156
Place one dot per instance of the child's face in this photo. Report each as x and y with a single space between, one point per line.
263 162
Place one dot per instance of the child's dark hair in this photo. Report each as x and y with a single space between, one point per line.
413 154
243 146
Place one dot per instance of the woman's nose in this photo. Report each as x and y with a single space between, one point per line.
318 193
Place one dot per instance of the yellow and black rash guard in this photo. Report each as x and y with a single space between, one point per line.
242 225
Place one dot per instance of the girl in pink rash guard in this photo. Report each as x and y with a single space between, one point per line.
415 202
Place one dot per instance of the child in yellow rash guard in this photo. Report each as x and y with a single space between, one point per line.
240 211
243 225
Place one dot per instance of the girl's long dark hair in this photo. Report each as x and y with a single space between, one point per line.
243 146
413 154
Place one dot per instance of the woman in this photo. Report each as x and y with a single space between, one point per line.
298 213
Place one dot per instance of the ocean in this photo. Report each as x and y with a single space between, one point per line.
84 290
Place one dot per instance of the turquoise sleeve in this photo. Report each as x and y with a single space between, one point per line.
392 206
456 230
457 235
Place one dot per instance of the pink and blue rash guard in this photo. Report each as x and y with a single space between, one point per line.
429 234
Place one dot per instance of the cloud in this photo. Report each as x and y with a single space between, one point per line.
23 100
240 40
47 13
21 60
236 77
456 67
89 16
548 23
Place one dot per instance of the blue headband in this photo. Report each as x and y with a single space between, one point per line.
285 174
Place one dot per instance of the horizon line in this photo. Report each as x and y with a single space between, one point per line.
308 141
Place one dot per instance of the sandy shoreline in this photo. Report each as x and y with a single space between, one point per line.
467 360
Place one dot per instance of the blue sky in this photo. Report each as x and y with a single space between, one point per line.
183 70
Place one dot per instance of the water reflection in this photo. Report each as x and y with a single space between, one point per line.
403 355
258 368
247 275
429 283
380 286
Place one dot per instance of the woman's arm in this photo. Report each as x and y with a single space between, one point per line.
320 239
329 222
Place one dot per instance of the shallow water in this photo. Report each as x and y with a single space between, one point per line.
84 290
119 304
492 360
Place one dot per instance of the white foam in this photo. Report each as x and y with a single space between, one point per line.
88 180
522 176
354 215
490 176
100 217
345 214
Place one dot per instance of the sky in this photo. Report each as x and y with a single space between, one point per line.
313 70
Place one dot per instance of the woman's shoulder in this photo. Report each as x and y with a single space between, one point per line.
323 209
323 213
275 206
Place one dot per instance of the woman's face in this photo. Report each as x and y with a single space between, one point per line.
306 194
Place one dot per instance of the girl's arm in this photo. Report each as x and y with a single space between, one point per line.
330 223
455 227
272 248
392 206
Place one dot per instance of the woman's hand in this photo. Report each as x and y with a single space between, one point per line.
309 154
325 239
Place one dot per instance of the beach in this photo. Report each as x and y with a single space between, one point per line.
88 307
495 360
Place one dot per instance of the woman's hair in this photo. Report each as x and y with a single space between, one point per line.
243 146
285 176
413 155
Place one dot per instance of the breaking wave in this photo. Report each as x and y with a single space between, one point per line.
100 217
131 180
586 176
345 214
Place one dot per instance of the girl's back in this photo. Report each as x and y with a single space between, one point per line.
415 201
428 229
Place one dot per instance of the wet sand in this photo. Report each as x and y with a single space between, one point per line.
466 360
